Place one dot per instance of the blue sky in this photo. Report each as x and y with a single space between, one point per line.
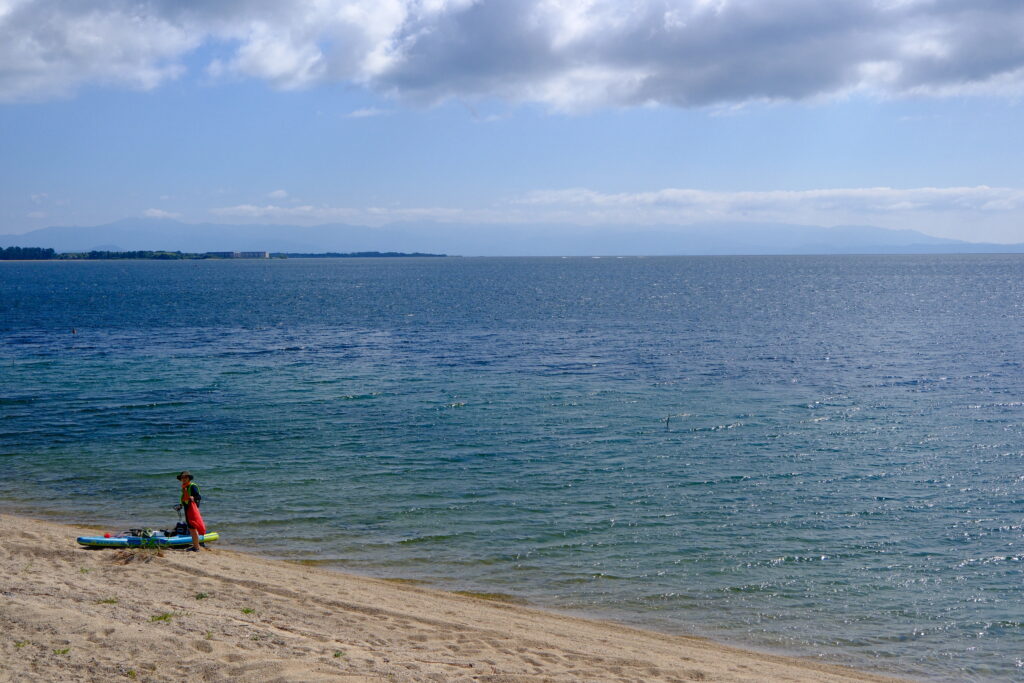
896 113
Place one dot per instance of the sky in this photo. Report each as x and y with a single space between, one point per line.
627 113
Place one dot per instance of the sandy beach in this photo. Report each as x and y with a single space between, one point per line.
71 614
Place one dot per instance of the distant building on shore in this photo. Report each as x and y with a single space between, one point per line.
238 254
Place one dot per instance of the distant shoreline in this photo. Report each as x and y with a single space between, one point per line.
384 255
47 254
360 254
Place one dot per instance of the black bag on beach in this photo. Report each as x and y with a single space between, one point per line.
180 529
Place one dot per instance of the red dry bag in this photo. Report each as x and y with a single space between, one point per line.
194 519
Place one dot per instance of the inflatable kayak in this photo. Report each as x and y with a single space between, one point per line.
144 541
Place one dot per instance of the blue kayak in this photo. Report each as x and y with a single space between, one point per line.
144 541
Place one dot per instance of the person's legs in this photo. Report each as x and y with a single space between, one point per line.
195 524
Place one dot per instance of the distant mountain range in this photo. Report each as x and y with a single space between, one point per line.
499 240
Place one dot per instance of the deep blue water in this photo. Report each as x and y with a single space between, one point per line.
841 472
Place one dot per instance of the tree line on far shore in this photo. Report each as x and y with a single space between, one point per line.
26 254
45 254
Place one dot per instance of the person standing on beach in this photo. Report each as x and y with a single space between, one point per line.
190 502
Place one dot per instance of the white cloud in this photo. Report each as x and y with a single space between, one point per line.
993 213
308 214
980 198
291 212
879 205
49 48
368 113
160 213
278 194
883 206
566 54
273 55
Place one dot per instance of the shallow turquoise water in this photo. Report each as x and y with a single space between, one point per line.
840 473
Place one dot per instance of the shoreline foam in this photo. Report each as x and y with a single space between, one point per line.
72 614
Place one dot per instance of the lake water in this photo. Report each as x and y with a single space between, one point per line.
817 455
